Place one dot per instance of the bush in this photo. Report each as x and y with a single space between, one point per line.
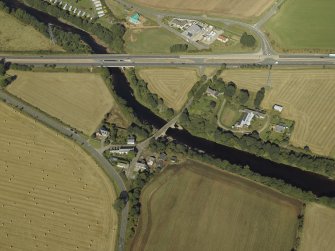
178 48
247 40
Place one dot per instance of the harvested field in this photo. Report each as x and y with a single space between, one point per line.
318 232
235 8
78 99
307 97
172 85
53 195
28 39
196 207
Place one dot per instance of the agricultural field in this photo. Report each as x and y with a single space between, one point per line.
318 232
28 39
78 99
140 41
303 26
53 195
236 8
192 206
307 97
173 85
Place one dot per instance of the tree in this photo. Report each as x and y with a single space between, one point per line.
2 68
178 48
247 40
230 89
212 104
259 97
244 96
119 204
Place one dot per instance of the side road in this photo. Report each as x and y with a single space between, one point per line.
67 131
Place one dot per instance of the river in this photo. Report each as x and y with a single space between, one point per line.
307 181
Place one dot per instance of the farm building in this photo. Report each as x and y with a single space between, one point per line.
103 132
122 165
122 149
278 108
194 32
135 19
223 39
131 141
246 120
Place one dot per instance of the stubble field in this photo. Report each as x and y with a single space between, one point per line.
196 207
172 85
235 8
16 36
318 232
53 195
307 97
78 99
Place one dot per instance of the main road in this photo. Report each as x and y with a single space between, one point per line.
127 60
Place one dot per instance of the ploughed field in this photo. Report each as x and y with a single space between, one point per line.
192 206
16 36
53 195
173 85
318 232
233 8
304 26
78 99
307 96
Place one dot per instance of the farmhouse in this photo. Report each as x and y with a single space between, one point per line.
140 167
278 108
246 120
103 132
121 149
151 161
280 128
212 92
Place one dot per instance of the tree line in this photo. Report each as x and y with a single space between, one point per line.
163 145
69 41
112 37
148 99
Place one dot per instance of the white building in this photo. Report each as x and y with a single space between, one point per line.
246 120
278 108
122 165
121 150
131 141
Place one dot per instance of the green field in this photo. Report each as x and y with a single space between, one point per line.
192 206
303 25
16 36
155 40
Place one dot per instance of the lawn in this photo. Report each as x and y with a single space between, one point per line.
308 99
236 8
16 36
150 40
230 115
192 206
318 232
53 195
304 25
78 99
170 84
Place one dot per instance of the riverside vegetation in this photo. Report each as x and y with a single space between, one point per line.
112 37
69 41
